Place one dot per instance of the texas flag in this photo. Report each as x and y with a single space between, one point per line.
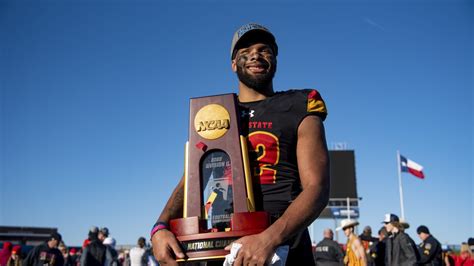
409 166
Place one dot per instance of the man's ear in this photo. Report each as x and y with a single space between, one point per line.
234 65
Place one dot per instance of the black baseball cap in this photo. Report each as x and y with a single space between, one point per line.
57 236
422 229
104 231
252 32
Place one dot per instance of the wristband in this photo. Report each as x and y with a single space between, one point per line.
157 227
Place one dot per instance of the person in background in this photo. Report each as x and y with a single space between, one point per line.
16 258
368 242
470 242
355 254
103 234
94 254
138 256
63 249
111 260
150 258
92 231
448 256
378 252
328 252
46 253
465 256
126 258
401 249
5 253
429 249
73 259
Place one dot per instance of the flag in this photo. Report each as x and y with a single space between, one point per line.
409 166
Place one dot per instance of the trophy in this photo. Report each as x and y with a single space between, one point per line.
219 204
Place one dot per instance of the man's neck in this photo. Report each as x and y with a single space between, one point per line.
247 94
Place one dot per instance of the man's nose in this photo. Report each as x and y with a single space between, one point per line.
254 55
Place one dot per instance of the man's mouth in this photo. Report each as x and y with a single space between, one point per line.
257 69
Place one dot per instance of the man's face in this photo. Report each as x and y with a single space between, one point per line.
348 231
389 227
255 65
63 250
53 243
423 236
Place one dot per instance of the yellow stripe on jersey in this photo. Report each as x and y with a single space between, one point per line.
316 103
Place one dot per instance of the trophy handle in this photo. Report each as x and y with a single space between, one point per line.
247 173
186 169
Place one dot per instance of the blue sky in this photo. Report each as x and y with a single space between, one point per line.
95 95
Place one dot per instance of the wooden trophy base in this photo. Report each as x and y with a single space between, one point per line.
201 244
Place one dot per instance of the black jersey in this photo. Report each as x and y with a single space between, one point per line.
271 128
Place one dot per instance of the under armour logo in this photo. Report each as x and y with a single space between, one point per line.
245 113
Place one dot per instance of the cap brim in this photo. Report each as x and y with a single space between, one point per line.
255 35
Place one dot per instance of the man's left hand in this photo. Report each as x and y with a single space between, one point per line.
255 250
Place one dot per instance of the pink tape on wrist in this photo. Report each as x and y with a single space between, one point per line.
157 228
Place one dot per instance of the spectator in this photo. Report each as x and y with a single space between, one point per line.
448 256
378 252
103 234
16 258
126 258
470 242
5 253
355 254
111 260
92 231
63 249
328 252
465 256
138 256
401 249
429 249
368 242
46 253
94 254
151 258
73 259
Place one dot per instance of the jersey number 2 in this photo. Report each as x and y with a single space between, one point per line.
267 149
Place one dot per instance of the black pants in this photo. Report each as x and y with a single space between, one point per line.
301 252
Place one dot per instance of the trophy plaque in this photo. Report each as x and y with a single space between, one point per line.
219 205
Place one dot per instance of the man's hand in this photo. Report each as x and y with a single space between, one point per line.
166 248
256 250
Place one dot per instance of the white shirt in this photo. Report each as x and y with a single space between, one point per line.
136 256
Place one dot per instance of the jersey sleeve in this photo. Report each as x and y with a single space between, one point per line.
315 104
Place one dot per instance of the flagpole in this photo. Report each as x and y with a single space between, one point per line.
400 185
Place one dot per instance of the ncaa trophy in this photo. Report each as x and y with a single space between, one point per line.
219 205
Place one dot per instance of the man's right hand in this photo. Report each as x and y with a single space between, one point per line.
166 248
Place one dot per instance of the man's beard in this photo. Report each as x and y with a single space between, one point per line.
259 83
